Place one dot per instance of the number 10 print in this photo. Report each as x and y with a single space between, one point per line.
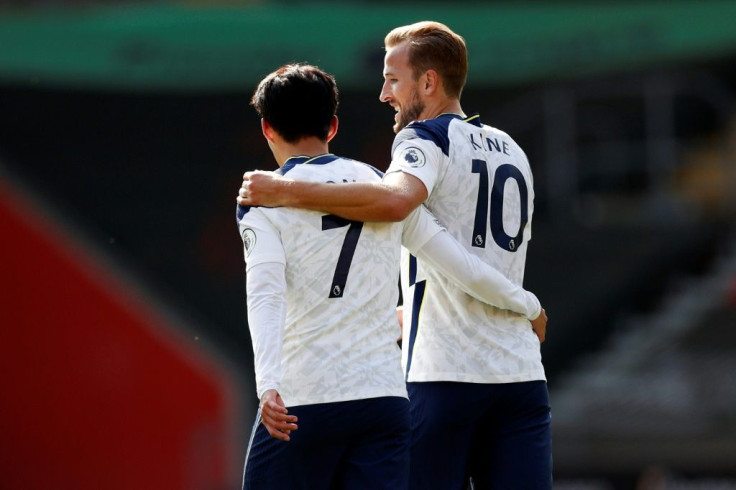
502 174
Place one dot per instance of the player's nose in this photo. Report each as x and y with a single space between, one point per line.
385 95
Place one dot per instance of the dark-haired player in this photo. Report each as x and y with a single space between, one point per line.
321 291
479 400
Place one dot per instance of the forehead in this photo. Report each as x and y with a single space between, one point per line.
396 59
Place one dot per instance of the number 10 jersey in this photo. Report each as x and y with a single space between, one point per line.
480 188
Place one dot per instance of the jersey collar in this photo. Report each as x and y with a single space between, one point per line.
473 119
305 159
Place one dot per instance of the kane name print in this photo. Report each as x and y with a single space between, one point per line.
489 144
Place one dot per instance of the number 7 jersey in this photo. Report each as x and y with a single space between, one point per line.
339 326
480 188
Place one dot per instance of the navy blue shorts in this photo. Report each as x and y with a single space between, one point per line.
497 436
353 445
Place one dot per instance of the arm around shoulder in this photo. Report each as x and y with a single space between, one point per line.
404 193
390 200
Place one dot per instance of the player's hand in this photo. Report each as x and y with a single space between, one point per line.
400 317
275 416
539 325
261 188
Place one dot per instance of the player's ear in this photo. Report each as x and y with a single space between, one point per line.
430 82
333 128
267 130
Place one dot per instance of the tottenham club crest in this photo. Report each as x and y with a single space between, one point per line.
249 240
413 156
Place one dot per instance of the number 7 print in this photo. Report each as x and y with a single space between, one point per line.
330 222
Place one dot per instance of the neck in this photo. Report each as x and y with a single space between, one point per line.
304 147
434 108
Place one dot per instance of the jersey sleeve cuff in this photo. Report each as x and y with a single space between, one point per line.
265 387
537 308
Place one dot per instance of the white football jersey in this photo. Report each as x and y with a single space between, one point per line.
342 286
481 189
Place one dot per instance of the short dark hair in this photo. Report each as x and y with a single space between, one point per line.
434 46
298 100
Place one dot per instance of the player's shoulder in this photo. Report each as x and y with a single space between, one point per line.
436 130
362 167
242 211
497 134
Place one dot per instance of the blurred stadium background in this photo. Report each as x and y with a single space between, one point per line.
124 132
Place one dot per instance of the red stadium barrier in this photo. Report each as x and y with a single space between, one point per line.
99 389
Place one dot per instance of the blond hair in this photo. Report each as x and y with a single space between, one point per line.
434 46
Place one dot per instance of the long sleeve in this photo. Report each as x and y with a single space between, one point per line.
475 277
433 244
266 289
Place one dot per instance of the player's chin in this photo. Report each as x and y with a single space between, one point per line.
399 123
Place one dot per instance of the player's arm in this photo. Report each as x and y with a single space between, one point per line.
390 200
472 275
266 290
266 287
